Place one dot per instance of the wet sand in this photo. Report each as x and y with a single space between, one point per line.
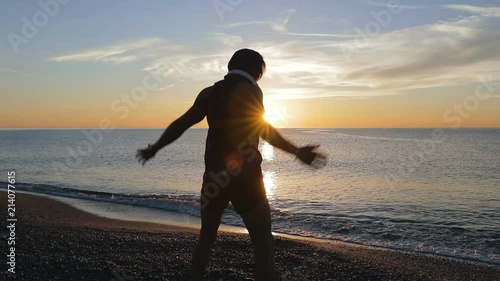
55 241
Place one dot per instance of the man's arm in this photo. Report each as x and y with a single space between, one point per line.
249 107
253 107
194 115
273 137
306 154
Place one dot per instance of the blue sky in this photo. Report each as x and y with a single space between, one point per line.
314 49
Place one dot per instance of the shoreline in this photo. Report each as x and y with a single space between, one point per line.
81 243
170 219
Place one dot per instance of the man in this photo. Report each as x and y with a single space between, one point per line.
234 110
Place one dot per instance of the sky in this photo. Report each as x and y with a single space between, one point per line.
339 64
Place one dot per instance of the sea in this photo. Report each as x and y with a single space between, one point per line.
426 190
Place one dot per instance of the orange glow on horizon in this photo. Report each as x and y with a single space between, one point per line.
379 112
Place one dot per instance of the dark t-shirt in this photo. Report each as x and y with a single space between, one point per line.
235 118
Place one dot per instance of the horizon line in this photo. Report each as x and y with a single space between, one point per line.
162 128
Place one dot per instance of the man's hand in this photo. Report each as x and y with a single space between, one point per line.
307 155
143 155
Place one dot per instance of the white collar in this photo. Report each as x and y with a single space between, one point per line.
244 74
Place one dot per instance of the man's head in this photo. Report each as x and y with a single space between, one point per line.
249 61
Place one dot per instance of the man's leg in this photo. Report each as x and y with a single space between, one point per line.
258 222
210 221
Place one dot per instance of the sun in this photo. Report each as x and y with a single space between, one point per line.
270 117
275 113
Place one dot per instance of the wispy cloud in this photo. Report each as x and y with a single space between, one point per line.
297 93
226 39
11 70
429 56
190 64
281 23
238 24
123 52
401 6
446 53
278 24
492 11
330 35
8 70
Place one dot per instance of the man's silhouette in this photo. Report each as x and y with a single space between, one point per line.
234 110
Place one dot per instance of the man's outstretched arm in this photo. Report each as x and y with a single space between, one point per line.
252 107
306 154
194 115
273 137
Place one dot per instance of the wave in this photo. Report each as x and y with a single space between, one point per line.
318 131
347 228
185 204
336 133
382 138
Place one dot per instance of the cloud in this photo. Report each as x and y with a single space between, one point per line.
10 70
490 11
279 24
443 51
303 65
330 35
428 56
190 65
238 24
442 54
386 5
226 39
300 93
124 52
447 53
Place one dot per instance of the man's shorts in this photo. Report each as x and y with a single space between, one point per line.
243 191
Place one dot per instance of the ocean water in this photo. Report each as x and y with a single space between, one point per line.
426 190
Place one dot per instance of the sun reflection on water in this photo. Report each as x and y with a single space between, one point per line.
269 182
267 151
